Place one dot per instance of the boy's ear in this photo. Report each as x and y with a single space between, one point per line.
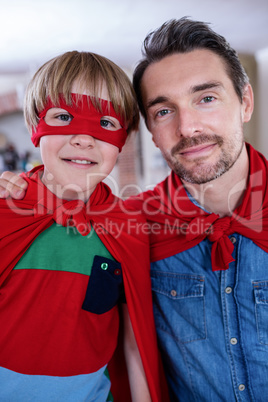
247 103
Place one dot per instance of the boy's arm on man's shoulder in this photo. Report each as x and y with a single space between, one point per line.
11 184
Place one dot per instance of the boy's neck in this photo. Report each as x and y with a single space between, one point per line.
68 194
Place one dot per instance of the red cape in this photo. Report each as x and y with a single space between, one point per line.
176 224
22 221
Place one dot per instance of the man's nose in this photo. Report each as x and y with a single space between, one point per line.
83 141
188 122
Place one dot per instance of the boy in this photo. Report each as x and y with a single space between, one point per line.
67 248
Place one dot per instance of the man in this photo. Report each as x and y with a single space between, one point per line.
209 218
209 250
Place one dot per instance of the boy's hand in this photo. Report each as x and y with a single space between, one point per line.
12 185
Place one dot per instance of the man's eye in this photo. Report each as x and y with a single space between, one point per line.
207 99
162 112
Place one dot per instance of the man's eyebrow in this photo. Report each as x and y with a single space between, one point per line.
155 101
206 85
193 89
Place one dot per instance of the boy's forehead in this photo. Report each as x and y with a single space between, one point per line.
100 91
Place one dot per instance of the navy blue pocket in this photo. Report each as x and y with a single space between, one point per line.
105 286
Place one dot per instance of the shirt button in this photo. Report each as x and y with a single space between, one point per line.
233 239
228 290
233 341
241 387
104 266
173 293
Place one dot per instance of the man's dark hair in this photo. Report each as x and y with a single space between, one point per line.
183 36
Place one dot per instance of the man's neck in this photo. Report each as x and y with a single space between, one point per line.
224 194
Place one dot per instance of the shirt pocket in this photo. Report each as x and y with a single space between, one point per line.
260 289
105 286
179 305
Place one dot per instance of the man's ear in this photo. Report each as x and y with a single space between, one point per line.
247 103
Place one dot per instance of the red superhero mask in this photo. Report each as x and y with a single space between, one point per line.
86 120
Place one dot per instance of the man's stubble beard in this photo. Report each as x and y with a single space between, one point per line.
203 172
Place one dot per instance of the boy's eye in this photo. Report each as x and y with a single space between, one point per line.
65 117
106 123
110 123
58 117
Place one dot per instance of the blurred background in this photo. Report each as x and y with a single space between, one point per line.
34 31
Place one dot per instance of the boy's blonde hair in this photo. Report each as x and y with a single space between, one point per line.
90 71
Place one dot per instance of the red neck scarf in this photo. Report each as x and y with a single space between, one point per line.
177 224
22 221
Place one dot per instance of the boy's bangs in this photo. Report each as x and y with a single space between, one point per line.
84 73
91 86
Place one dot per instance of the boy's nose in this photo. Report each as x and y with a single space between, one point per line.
82 141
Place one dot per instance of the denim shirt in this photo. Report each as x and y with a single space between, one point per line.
213 326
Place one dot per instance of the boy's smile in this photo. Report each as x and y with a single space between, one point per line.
74 165
82 161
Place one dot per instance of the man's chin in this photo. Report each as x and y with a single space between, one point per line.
200 175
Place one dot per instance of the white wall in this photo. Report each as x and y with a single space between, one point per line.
262 63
